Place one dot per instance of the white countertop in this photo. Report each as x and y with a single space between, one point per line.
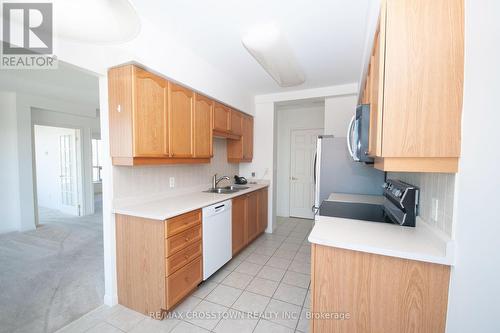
421 243
173 205
362 198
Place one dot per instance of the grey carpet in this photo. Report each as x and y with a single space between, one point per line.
53 275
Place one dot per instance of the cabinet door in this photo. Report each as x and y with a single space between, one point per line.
252 216
181 121
239 222
377 84
150 116
203 109
247 138
222 118
262 210
236 122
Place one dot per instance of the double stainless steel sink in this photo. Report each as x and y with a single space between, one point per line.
227 189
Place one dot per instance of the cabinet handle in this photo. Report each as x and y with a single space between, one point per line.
186 257
186 239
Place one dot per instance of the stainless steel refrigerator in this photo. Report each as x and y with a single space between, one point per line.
335 171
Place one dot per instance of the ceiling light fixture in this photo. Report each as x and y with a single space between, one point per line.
271 50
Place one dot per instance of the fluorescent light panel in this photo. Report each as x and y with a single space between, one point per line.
272 51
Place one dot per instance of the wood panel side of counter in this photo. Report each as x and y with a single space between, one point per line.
379 293
140 263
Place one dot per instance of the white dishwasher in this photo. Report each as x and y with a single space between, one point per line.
217 237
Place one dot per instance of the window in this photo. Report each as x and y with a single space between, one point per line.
96 160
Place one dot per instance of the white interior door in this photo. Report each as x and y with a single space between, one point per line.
302 150
68 179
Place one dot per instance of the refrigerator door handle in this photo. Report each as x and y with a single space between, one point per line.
314 166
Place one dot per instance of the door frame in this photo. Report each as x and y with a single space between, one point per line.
290 164
82 175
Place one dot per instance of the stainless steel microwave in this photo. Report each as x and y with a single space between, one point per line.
358 134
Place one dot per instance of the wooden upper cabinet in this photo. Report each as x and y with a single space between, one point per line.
181 121
138 126
236 122
417 86
247 138
241 149
150 116
203 111
222 118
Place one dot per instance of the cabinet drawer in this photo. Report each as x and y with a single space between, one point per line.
181 258
182 240
182 222
183 282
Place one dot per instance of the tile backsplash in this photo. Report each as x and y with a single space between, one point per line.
440 186
145 181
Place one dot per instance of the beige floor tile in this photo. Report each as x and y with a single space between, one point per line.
224 295
307 301
248 268
263 286
236 322
271 273
285 254
204 289
186 306
250 302
297 279
259 259
125 319
300 267
279 262
265 250
185 327
290 294
265 326
231 265
304 324
286 314
237 280
104 328
149 325
219 275
207 314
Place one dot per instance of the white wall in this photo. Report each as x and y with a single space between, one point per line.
50 111
48 168
338 112
289 118
475 284
9 172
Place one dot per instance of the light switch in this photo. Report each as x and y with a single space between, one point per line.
434 211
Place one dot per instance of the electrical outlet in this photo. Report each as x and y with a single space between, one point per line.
253 174
434 211
172 182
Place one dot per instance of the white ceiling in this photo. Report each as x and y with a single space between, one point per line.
327 36
67 83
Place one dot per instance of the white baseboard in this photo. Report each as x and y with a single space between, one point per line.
110 300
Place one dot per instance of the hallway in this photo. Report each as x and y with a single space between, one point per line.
52 275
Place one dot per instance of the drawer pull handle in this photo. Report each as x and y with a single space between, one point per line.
186 239
186 257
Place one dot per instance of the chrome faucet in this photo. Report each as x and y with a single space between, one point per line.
216 181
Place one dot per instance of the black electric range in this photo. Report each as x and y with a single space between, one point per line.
399 207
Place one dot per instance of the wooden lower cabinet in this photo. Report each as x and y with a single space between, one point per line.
161 262
366 292
249 218
158 262
182 282
239 228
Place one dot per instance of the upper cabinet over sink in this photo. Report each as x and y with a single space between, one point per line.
414 86
154 121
